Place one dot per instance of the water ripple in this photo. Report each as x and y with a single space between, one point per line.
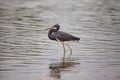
25 47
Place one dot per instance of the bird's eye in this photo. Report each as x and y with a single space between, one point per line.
54 28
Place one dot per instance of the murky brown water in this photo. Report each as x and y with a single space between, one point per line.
26 53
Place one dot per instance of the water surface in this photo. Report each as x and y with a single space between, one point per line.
26 53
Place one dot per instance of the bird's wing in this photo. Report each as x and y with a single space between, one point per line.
63 36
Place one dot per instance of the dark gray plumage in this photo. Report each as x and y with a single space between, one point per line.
62 36
54 34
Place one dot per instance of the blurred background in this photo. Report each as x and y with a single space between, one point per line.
26 53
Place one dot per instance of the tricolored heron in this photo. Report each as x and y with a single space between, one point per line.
63 37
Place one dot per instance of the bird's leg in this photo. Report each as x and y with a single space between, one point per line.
64 49
64 58
70 49
63 46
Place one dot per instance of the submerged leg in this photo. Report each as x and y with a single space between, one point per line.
70 49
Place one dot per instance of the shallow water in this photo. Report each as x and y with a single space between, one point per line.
26 53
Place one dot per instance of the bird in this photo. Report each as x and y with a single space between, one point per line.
60 36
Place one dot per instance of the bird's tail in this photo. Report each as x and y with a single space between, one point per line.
76 38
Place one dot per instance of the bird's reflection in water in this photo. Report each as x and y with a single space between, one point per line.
57 67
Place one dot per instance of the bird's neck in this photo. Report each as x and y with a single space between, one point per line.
50 34
57 28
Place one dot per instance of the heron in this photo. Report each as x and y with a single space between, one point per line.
62 37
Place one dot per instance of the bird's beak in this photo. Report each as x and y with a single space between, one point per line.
49 28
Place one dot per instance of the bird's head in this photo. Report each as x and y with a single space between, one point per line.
56 27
